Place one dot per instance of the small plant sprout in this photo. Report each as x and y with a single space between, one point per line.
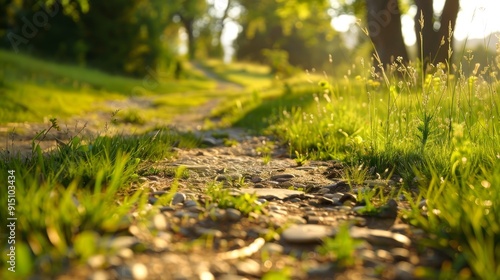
341 248
266 151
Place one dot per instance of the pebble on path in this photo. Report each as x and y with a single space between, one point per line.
307 233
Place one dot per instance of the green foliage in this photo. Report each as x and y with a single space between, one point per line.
130 117
303 29
125 41
278 61
245 203
266 151
341 248
33 89
435 130
283 274
70 199
461 212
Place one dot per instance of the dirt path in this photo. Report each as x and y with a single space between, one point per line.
297 207
281 232
17 137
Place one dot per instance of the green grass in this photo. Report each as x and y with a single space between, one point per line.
251 76
69 201
33 89
439 132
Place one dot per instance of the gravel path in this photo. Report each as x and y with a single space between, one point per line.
194 238
299 206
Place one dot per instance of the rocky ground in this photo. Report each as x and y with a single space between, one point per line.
277 236
300 205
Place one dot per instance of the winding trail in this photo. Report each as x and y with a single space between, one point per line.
18 137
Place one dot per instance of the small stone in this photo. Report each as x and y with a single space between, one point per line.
324 271
348 197
294 219
209 141
307 233
401 228
269 193
167 209
125 253
331 196
255 179
273 248
178 198
286 184
153 178
273 206
280 212
196 209
380 237
124 272
99 275
359 221
323 191
233 215
152 200
160 222
422 204
206 275
261 200
404 270
400 254
190 203
139 271
160 243
389 210
208 232
343 208
306 168
325 201
114 261
385 255
231 277
279 177
248 267
219 267
122 242
314 220
337 196
96 261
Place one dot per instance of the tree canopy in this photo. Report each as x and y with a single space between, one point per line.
132 36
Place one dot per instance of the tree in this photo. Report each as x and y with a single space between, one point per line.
434 44
188 12
300 28
384 28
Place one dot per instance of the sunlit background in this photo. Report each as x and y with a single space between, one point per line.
476 20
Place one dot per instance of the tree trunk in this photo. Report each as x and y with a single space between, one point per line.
430 41
384 28
188 25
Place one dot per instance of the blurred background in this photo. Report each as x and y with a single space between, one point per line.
131 37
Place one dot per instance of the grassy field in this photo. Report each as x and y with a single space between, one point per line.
34 90
437 134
